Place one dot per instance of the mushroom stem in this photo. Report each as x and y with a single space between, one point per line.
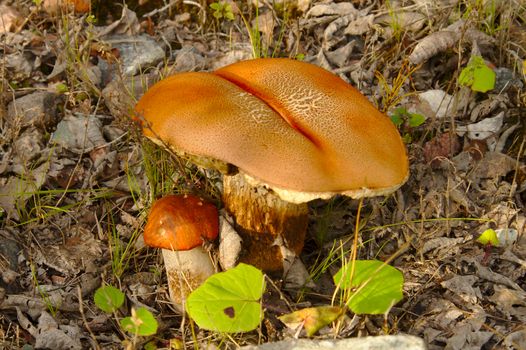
185 271
180 225
265 222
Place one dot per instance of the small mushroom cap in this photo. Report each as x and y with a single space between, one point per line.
286 123
181 223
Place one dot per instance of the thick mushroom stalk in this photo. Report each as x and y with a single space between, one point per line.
266 223
179 225
291 128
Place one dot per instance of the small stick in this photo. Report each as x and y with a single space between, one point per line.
81 309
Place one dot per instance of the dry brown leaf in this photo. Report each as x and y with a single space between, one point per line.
492 166
446 39
128 24
503 215
237 53
442 243
442 146
463 287
511 302
10 19
485 273
339 9
16 191
484 108
483 129
360 25
516 340
432 44
27 148
32 305
465 332
330 36
300 5
463 338
435 103
265 23
51 335
340 56
79 133
295 274
480 38
19 67
444 312
38 109
229 242
405 20
78 252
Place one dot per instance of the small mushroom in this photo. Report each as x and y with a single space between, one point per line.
179 225
283 132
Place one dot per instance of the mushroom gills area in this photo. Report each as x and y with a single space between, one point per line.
265 223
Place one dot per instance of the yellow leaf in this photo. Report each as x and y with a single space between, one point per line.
312 318
489 237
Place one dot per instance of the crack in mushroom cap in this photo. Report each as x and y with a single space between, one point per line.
289 124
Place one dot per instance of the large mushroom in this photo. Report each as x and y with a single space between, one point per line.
283 132
180 225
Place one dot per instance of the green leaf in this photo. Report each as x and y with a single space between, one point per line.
376 286
228 13
61 88
413 119
397 119
216 6
466 77
477 75
484 79
141 322
407 138
300 56
108 298
416 119
91 19
222 10
489 237
150 346
228 301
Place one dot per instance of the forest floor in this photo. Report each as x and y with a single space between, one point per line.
77 178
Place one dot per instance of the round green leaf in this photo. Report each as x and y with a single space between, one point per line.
141 322
377 286
489 237
484 79
416 119
228 301
477 75
61 88
108 298
397 119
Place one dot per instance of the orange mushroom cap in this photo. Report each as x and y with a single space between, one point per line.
181 223
286 123
55 6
